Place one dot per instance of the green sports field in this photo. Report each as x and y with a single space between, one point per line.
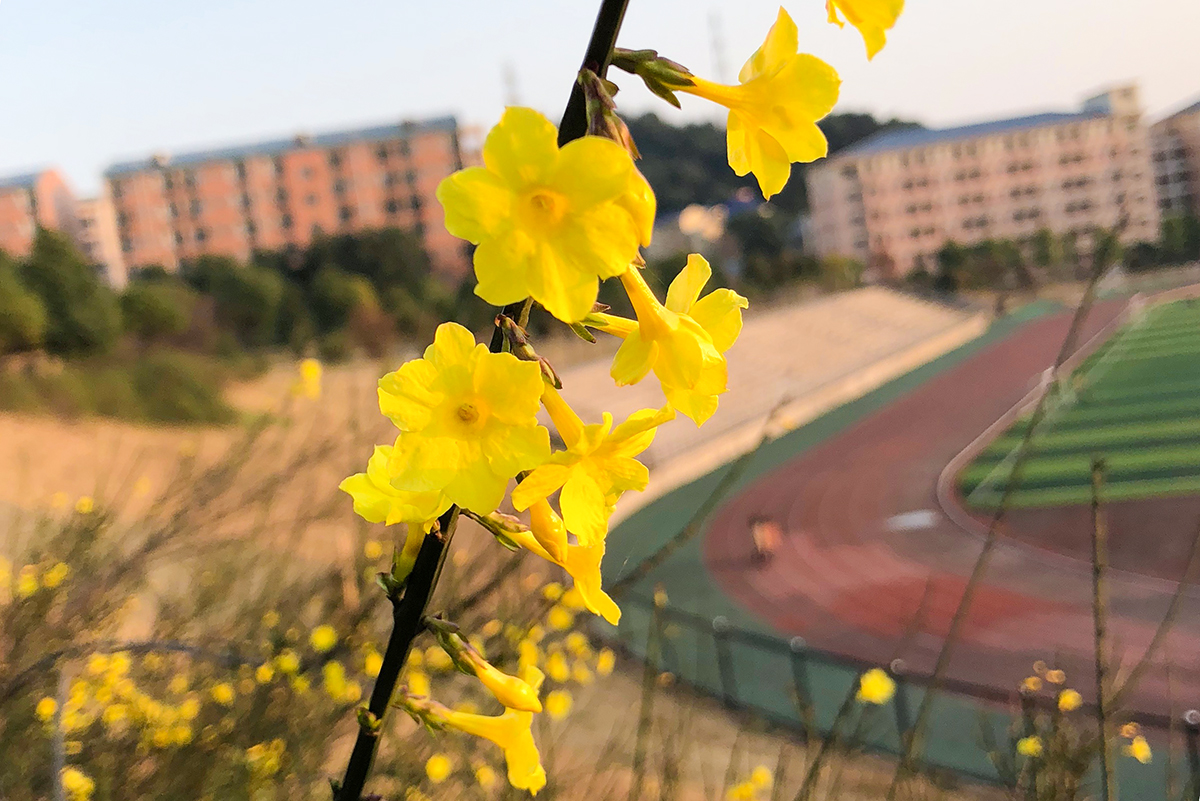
1135 402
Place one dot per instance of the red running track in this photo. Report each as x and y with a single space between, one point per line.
853 579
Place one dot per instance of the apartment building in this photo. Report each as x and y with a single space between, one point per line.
892 200
28 201
276 194
98 238
1176 144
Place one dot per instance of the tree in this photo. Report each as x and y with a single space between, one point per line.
158 309
22 314
82 312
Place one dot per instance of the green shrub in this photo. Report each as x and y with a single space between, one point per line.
181 388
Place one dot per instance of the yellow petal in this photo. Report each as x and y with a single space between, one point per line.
541 483
406 396
602 242
584 566
696 405
640 204
623 474
637 432
512 449
720 314
522 148
781 43
565 291
634 359
768 160
584 508
475 486
476 204
453 346
423 464
686 286
590 171
873 18
512 388
501 267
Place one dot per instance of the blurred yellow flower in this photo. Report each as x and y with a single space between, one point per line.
744 791
1030 746
264 673
1069 700
1130 730
372 662
27 581
560 618
270 619
683 341
334 679
492 628
77 784
352 694
45 709
1139 749
323 638
1031 684
558 704
581 674
418 683
287 661
549 221
552 591
85 505
56 575
377 501
373 549
1056 676
59 500
97 664
606 660
141 486
300 684
189 709
114 715
436 658
438 768
558 668
485 776
309 383
596 468
179 684
873 18
223 693
511 691
773 111
876 687
577 643
761 777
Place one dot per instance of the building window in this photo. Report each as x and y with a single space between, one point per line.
278 162
411 177
245 201
339 187
285 222
240 169
416 203
346 213
126 245
168 184
201 235
307 172
195 208
117 189
189 178
178 238
335 159
174 211
281 195
382 153
311 200
392 207
404 148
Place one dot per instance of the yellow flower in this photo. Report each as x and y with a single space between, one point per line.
468 417
512 731
605 661
1139 749
189 709
377 501
417 682
581 562
27 581
56 575
287 661
85 505
746 791
549 222
876 687
577 643
323 638
774 109
1031 684
581 674
45 709
560 618
873 18
1030 746
264 674
352 693
178 684
438 768
1069 700
595 469
270 619
300 684
682 341
334 676
59 500
97 664
372 662
373 549
78 785
558 704
1130 730
761 777
310 379
222 693
1056 676
114 715
437 659
485 776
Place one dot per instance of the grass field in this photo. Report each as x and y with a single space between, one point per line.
1135 402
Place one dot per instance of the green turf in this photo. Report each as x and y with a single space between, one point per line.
1135 403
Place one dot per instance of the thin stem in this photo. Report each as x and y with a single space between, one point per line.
1100 621
409 609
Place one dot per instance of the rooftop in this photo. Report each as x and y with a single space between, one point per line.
275 147
26 181
903 138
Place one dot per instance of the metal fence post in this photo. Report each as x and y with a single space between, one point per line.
798 649
1191 724
899 669
720 631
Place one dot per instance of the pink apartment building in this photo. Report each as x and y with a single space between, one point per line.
1176 141
892 200
27 202
277 194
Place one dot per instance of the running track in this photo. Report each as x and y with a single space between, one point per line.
852 579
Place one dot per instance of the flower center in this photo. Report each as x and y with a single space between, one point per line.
468 413
544 207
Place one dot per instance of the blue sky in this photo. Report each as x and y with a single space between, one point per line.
88 83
